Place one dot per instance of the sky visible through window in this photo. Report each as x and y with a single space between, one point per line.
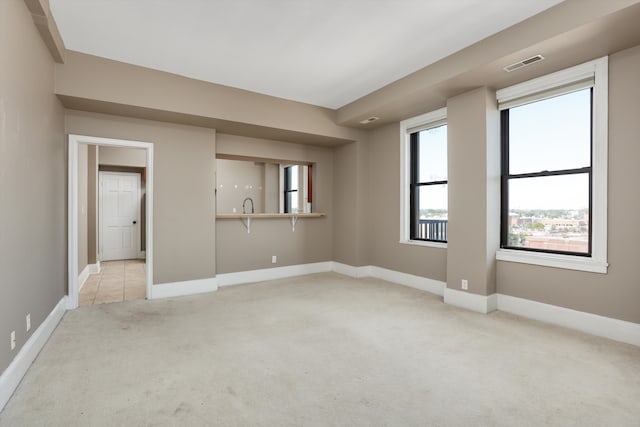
293 185
552 134
433 167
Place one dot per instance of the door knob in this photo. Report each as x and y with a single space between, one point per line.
135 222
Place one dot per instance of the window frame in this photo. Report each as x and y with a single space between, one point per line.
408 127
545 87
507 176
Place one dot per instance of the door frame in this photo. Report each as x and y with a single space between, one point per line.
136 237
72 196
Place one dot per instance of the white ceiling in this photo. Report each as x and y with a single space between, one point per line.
322 52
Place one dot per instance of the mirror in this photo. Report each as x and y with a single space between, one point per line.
266 185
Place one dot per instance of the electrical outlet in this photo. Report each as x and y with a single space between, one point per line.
274 259
28 322
465 284
13 340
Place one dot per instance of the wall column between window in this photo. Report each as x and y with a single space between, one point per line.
474 192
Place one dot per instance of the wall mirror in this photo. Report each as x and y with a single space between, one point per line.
259 185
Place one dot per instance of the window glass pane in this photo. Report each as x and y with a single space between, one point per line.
552 134
550 213
432 149
293 177
432 212
291 203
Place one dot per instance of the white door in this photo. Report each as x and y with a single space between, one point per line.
119 215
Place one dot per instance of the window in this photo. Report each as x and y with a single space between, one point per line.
296 188
291 196
424 211
546 176
553 209
428 187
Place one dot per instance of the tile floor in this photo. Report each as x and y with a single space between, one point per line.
117 281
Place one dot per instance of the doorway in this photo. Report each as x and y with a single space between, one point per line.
115 252
131 227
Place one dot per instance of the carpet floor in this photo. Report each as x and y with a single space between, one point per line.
321 350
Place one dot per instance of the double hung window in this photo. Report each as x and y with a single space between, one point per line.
424 211
428 187
546 177
553 185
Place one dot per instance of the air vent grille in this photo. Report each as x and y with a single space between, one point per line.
523 63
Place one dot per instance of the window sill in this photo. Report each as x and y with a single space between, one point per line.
423 243
270 215
567 262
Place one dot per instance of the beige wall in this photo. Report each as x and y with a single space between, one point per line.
120 156
271 187
236 250
92 204
351 201
32 180
473 152
617 293
383 212
184 205
237 180
345 224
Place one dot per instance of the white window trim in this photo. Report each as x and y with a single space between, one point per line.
599 70
408 126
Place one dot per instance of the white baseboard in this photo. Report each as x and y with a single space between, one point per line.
350 270
188 287
83 276
418 282
94 268
252 276
607 327
12 376
142 255
480 303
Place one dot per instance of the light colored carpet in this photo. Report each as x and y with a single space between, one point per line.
321 350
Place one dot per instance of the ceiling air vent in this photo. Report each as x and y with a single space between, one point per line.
369 120
523 63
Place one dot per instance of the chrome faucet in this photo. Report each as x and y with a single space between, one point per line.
244 202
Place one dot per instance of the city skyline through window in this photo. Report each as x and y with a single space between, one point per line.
549 172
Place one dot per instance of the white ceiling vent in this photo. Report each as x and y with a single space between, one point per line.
523 63
369 120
